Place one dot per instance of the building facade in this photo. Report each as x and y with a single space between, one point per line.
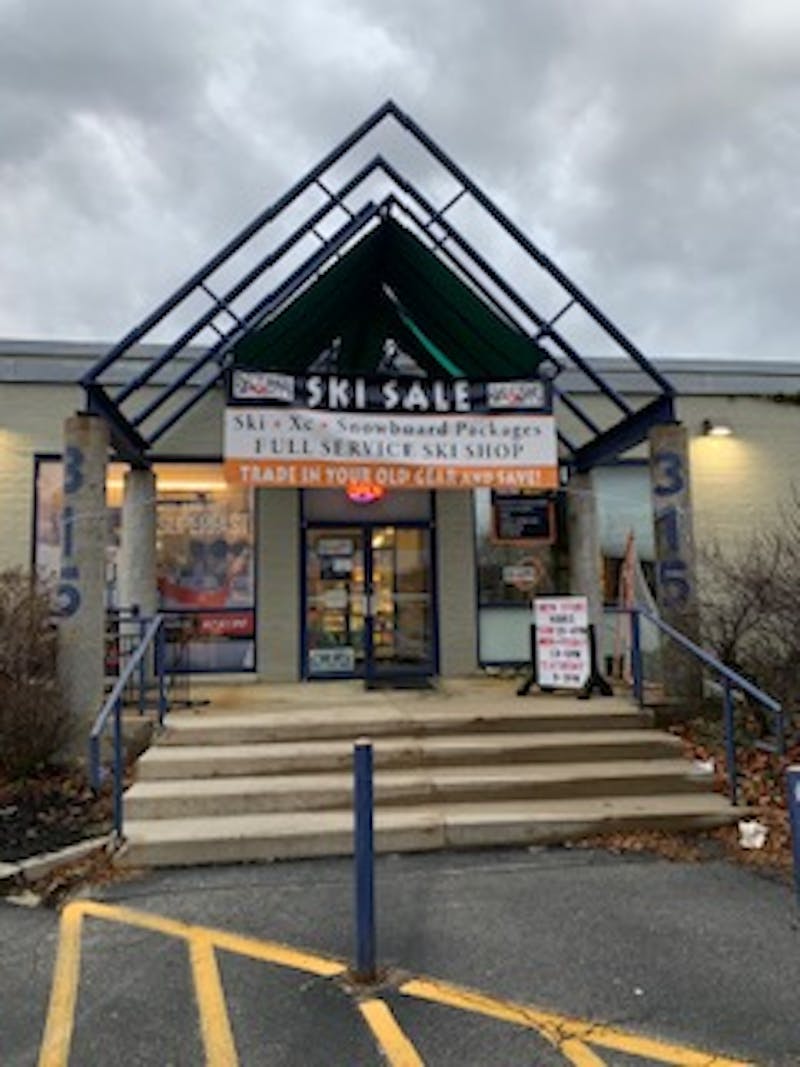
279 582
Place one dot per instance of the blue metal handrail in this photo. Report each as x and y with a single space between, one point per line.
152 636
732 682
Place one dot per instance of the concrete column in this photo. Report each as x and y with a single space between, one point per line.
676 582
585 557
278 606
457 581
136 577
82 584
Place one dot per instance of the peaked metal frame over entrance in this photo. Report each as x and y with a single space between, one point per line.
273 259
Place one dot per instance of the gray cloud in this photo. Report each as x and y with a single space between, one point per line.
649 147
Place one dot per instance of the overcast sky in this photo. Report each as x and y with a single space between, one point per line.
651 147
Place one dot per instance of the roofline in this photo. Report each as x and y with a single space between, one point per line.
58 348
57 362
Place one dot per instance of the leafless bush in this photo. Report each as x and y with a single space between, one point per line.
751 606
33 719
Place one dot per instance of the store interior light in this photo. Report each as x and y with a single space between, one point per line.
182 478
712 428
192 485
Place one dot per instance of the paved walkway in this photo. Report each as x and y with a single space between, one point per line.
251 695
556 956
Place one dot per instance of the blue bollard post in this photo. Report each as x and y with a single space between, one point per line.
365 862
793 783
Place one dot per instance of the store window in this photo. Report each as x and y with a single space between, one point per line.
205 558
513 565
47 519
206 566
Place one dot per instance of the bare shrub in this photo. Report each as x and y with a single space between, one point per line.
750 606
34 724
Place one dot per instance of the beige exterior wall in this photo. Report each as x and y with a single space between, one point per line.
739 483
31 421
200 432
458 604
278 593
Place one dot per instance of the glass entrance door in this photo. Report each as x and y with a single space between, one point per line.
369 602
335 639
399 627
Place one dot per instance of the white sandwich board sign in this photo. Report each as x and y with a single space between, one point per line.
563 652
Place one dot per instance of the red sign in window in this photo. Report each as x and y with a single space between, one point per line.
225 624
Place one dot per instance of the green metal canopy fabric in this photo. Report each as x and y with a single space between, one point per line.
390 288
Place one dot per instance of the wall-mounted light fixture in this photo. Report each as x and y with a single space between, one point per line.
712 428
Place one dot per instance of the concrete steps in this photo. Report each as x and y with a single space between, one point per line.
197 797
255 727
292 757
481 769
243 838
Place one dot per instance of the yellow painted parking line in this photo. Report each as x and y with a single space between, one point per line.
565 1028
575 1051
546 1023
144 920
576 1039
214 1022
273 952
394 1044
267 951
57 1038
201 942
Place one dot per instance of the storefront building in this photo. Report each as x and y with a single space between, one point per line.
422 442
276 582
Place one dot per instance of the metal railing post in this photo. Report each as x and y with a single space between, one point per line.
636 657
95 773
780 726
730 743
793 786
161 668
118 768
364 861
142 666
121 694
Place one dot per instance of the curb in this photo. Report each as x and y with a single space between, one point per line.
9 873
33 868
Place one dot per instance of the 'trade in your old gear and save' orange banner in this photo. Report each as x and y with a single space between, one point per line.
270 446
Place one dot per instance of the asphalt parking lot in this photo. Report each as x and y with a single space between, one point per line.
549 956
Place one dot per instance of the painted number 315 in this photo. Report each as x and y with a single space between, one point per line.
68 594
669 477
672 574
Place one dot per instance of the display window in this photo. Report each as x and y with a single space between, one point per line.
205 558
513 566
47 522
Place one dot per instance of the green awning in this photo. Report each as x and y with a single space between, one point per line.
390 288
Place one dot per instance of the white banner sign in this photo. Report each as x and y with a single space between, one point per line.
562 641
324 449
